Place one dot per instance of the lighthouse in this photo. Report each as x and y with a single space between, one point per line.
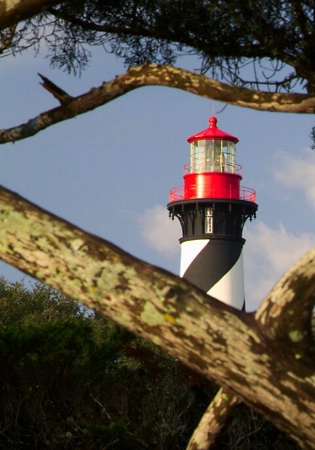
212 208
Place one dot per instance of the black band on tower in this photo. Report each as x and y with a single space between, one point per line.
214 260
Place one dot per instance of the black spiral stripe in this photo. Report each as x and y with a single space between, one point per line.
212 263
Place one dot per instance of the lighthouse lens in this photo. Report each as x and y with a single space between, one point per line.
212 156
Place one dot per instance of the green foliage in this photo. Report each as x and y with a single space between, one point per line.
72 379
20 306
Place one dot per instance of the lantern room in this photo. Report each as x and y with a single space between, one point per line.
212 171
212 150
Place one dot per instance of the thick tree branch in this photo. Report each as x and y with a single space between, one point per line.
214 420
211 338
287 312
159 75
14 11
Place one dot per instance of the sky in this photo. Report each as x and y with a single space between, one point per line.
109 171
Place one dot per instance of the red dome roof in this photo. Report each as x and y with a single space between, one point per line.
213 133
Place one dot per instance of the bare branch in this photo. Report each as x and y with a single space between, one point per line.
6 38
213 421
210 337
159 75
55 90
14 11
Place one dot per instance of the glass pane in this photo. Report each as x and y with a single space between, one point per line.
197 156
212 156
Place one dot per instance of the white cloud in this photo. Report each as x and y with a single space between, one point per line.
268 254
159 231
296 172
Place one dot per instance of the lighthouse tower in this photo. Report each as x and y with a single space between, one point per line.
212 209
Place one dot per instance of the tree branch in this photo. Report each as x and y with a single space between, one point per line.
213 421
6 38
159 75
210 337
14 11
287 312
55 90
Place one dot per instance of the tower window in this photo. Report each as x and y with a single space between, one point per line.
208 220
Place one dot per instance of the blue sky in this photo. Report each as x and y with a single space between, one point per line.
109 171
